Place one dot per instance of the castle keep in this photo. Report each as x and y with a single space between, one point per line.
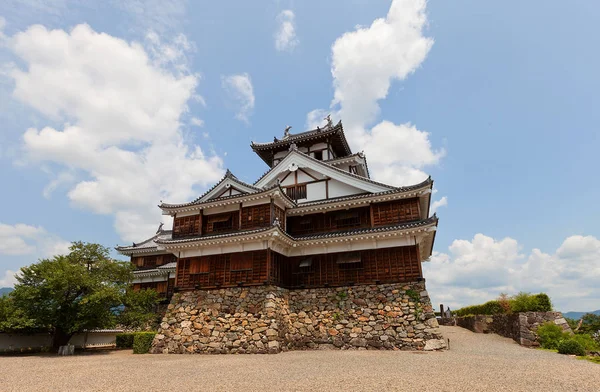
314 254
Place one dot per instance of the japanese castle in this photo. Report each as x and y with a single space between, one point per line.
315 219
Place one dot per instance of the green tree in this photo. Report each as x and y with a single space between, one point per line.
590 324
67 294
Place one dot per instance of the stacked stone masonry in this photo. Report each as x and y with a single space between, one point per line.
268 319
521 327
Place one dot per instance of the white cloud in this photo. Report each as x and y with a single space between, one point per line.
22 239
364 64
9 279
438 203
197 122
240 90
285 36
479 270
315 118
63 178
157 15
122 123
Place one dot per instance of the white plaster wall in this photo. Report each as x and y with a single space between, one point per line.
288 181
218 210
280 154
188 213
265 200
315 191
303 177
338 189
10 342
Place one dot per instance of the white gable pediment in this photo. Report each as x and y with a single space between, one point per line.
227 187
298 164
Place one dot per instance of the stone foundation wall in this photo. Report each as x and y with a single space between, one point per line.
267 319
520 327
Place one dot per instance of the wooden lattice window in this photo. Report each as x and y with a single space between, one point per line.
200 266
296 192
347 219
349 261
241 261
220 222
150 261
186 225
256 216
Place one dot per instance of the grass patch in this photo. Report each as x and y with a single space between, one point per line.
552 350
591 359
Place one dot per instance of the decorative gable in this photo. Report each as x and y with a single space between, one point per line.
228 186
307 179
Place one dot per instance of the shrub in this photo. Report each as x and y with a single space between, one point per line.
550 335
522 302
543 303
125 340
587 342
142 342
488 308
525 302
504 301
571 346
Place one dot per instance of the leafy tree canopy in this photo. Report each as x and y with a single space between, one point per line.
66 294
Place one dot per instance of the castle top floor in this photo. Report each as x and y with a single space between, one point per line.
324 144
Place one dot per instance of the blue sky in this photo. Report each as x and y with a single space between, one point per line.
494 100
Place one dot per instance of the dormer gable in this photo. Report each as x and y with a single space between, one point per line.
230 185
315 180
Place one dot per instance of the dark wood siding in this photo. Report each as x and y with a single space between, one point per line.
280 214
394 212
388 265
221 223
186 226
148 262
330 221
256 216
226 270
159 287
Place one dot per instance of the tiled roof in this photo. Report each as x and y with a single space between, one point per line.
228 175
348 158
298 137
148 245
401 226
330 166
239 196
408 188
335 134
216 236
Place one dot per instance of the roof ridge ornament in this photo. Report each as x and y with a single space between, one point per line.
286 132
160 228
329 122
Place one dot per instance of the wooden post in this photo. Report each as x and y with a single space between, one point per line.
240 220
201 222
273 212
371 213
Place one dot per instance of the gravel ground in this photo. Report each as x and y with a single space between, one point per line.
474 362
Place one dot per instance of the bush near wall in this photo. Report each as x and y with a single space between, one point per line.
142 342
488 308
571 347
522 302
125 340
